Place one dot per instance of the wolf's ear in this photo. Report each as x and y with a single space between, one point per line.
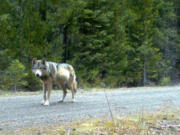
43 61
33 61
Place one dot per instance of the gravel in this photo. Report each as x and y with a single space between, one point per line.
26 111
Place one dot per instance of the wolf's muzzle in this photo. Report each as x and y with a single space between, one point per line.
37 75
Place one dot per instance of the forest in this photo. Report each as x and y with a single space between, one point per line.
110 43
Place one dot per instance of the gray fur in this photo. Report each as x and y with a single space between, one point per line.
55 73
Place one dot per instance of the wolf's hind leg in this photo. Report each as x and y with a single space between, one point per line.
73 90
73 96
64 95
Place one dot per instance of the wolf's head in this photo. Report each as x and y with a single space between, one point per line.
39 68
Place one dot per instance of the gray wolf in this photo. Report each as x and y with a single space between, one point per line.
55 73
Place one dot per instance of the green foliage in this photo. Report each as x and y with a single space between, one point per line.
121 43
14 75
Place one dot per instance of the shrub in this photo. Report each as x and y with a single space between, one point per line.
165 81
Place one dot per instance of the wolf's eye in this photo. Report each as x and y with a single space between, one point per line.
44 68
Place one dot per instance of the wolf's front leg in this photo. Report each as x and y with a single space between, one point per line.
73 94
49 87
44 94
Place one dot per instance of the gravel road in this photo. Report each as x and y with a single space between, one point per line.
26 111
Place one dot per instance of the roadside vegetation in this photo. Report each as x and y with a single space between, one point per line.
157 123
6 93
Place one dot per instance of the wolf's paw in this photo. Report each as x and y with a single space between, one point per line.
60 101
42 102
73 100
46 103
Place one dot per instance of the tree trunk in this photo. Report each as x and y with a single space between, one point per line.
65 44
145 74
15 83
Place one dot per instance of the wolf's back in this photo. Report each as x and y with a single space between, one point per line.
70 69
72 79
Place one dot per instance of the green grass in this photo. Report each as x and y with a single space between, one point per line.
5 93
98 89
